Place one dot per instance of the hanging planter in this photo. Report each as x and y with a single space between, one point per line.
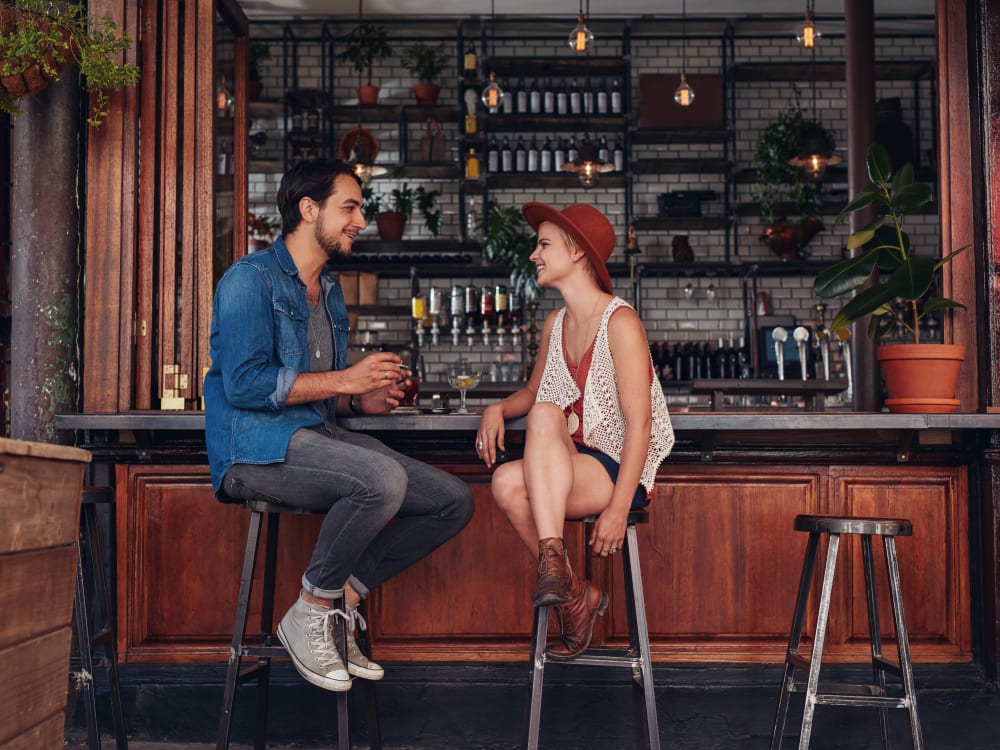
33 54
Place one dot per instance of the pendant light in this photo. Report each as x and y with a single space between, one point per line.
684 94
492 96
581 38
587 165
808 35
813 152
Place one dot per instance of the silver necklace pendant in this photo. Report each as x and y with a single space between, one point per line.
317 354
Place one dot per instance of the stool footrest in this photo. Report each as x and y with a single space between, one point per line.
270 651
799 661
595 659
861 701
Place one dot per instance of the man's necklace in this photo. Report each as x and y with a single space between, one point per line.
311 334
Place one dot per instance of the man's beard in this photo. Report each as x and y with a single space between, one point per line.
332 248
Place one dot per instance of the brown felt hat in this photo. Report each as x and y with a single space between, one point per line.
589 228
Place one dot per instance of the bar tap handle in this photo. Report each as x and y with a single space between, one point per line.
780 336
845 351
801 336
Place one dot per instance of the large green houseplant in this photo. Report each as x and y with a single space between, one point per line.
427 62
779 184
900 294
365 45
508 242
38 38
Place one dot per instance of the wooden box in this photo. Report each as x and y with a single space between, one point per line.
40 488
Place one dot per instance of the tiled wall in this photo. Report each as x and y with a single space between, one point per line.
713 306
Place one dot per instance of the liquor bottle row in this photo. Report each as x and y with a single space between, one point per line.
472 312
538 96
698 359
524 155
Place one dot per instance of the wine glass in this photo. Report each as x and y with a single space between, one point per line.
464 382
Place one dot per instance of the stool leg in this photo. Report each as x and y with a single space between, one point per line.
239 631
536 678
795 639
263 674
93 533
371 699
816 660
875 632
902 641
340 641
643 694
81 616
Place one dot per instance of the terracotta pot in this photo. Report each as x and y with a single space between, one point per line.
921 378
391 225
426 93
368 95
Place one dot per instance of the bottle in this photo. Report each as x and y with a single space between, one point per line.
588 97
602 97
548 98
616 97
520 155
678 365
719 364
500 304
571 150
508 103
618 155
603 152
535 98
559 155
743 359
472 165
562 100
533 155
493 156
522 97
732 360
545 156
574 99
470 63
506 156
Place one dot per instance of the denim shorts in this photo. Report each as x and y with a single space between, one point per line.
639 499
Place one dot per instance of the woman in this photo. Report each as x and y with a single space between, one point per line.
597 423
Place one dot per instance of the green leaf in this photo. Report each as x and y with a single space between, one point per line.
859 238
950 256
910 197
941 303
911 280
902 178
879 163
845 276
867 301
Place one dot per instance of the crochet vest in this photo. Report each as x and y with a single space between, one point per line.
603 422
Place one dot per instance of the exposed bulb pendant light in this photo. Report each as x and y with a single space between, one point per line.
808 35
813 153
581 38
587 165
684 94
492 96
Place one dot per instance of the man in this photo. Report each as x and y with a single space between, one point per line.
278 379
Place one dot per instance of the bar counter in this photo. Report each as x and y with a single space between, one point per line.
720 557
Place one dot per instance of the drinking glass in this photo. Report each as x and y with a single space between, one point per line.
464 382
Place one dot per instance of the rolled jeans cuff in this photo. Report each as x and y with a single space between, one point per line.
321 593
358 586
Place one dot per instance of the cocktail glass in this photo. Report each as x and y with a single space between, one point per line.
464 382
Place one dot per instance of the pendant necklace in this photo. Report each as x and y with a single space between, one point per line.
310 333
572 420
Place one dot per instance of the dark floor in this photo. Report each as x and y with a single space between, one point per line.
479 707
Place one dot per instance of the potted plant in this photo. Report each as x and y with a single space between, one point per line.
365 45
902 294
778 182
38 38
259 53
427 63
391 212
261 231
508 242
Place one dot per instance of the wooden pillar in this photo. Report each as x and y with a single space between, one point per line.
45 270
859 51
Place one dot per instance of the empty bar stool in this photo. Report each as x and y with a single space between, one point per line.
91 550
636 658
876 695
269 645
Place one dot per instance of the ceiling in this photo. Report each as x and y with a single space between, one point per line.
272 9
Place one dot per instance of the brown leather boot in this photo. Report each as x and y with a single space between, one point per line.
577 618
554 575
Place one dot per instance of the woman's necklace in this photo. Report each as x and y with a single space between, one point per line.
573 421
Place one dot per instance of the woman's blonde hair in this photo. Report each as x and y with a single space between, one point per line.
574 245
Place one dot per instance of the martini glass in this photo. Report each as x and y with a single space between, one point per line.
464 382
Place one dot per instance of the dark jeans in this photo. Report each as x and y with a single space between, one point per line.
361 485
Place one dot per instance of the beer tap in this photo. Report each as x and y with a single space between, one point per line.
801 336
780 336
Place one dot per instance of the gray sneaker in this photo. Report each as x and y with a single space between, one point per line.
306 633
357 663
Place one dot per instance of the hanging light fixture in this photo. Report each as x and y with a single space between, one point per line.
684 94
581 38
814 151
492 96
358 148
808 35
587 165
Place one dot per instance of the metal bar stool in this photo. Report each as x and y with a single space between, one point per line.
636 658
873 695
269 645
91 549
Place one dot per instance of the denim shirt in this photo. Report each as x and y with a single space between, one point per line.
259 344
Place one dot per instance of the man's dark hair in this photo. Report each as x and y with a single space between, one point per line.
311 178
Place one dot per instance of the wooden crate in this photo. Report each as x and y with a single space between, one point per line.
40 488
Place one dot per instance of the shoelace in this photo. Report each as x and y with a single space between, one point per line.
355 619
319 630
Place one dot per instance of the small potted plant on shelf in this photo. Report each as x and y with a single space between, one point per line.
918 377
508 242
259 54
38 38
261 231
778 182
365 45
427 63
392 211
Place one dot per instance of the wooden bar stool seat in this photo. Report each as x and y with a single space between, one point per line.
91 550
270 647
636 658
877 694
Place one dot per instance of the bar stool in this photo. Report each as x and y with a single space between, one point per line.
636 658
91 549
871 695
270 647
